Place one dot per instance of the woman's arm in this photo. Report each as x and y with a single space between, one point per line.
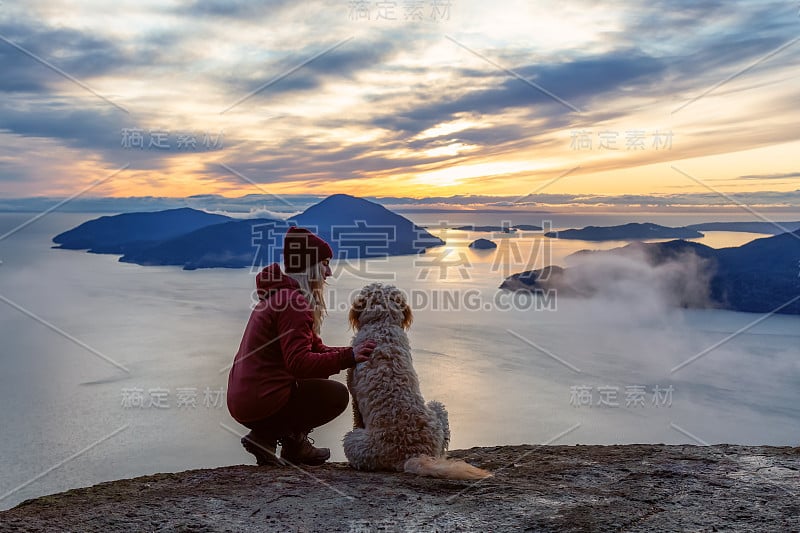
303 355
318 346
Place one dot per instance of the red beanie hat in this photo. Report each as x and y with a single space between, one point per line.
302 249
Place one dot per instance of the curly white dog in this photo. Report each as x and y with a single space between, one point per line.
394 429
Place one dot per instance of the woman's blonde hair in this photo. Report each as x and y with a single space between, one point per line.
312 284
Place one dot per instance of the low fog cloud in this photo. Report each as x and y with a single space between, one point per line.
254 212
633 276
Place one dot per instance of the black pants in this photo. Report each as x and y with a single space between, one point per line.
313 402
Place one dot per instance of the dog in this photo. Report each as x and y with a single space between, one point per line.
393 428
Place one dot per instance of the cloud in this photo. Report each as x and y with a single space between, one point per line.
232 9
308 68
97 127
242 207
256 212
81 54
590 83
664 200
630 275
357 111
293 203
770 176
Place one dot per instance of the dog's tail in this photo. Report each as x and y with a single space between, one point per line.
425 465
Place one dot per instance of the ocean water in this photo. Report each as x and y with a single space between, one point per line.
85 339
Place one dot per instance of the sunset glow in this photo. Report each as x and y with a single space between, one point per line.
467 98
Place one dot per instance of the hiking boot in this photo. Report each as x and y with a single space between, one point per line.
297 448
263 449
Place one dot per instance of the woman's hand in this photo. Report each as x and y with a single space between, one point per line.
363 350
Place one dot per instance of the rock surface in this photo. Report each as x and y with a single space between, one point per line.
535 488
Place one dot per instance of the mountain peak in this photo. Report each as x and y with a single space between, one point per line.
342 195
342 199
341 208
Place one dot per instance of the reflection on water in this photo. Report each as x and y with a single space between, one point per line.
507 376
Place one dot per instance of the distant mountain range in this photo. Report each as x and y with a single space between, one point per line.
761 276
355 228
632 231
648 230
775 228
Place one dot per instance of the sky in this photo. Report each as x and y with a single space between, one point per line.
532 104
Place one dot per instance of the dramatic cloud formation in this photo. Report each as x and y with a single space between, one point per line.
431 99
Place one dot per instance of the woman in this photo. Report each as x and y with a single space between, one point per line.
278 384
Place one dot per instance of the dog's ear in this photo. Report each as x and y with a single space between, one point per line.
355 311
398 303
408 317
353 317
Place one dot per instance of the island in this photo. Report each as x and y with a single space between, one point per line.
528 227
483 244
503 229
540 280
639 487
119 234
625 232
233 244
354 227
762 276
